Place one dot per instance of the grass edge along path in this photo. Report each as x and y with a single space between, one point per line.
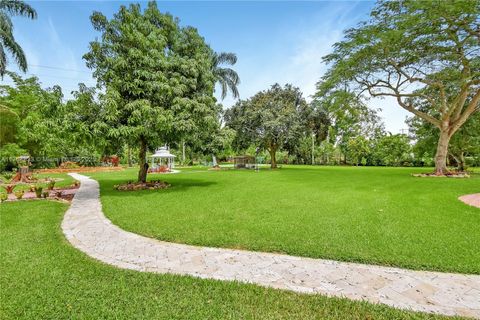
44 277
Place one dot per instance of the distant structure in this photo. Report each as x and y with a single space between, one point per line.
162 160
244 162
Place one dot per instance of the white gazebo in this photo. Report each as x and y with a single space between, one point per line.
165 158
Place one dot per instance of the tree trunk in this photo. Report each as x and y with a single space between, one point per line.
273 158
461 162
183 153
142 154
442 152
214 160
129 156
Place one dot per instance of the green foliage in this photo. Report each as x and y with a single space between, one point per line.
358 149
226 77
8 155
465 143
8 9
157 77
392 150
426 54
349 116
269 119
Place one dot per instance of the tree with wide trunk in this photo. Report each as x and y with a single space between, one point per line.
157 78
268 119
421 53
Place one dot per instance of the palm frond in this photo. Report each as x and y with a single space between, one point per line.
18 8
9 43
3 61
225 57
5 22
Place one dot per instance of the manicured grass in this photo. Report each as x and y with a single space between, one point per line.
43 277
372 215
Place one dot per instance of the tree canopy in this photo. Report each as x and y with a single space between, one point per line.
157 77
422 53
268 119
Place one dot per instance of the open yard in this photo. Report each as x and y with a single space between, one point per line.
372 215
43 277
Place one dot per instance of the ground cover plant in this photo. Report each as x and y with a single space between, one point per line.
44 277
371 215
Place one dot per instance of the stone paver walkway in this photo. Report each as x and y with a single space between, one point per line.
89 230
471 199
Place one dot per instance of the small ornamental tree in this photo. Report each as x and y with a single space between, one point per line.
157 78
268 119
421 53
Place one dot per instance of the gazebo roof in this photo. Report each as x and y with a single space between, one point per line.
162 152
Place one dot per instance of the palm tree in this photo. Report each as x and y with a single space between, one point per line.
9 8
226 77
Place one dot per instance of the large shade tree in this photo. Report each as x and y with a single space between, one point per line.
268 119
464 143
157 77
420 53
9 9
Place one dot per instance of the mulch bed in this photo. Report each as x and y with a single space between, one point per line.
150 185
453 174
65 194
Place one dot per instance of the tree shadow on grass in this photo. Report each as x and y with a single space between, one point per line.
179 185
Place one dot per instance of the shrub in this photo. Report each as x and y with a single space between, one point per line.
50 184
3 197
9 188
45 194
8 156
19 194
38 191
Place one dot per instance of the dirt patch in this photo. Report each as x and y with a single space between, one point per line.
471 199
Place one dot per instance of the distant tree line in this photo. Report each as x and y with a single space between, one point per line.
156 81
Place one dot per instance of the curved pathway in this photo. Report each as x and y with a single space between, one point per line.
471 199
90 231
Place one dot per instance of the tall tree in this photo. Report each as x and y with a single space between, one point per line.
157 77
269 119
226 77
349 116
465 142
8 9
419 53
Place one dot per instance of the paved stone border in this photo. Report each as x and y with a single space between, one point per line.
87 229
471 199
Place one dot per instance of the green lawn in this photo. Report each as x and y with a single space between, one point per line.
43 277
373 215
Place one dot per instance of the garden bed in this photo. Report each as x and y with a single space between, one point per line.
453 174
65 193
135 186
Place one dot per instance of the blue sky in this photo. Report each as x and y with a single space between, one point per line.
275 41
